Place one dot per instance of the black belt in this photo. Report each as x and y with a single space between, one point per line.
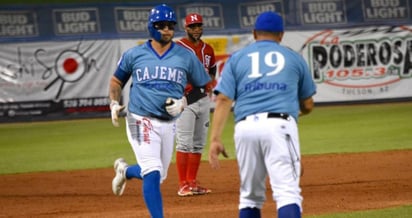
162 118
284 116
196 94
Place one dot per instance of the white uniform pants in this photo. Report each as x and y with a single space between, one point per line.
152 141
268 146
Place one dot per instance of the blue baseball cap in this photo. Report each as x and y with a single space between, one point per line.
269 21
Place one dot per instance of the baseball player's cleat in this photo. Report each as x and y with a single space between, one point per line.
185 190
119 180
199 190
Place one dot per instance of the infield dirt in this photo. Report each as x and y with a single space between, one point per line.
331 183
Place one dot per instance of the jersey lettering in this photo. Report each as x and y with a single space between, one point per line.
257 86
206 62
272 59
160 72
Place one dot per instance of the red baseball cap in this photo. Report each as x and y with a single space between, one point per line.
193 18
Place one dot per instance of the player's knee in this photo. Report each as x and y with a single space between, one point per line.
184 148
197 149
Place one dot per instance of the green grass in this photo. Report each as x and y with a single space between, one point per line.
398 212
359 128
94 143
60 145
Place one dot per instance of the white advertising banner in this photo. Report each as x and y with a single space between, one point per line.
68 77
56 77
56 70
357 64
368 63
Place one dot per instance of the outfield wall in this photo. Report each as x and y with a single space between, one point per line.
56 60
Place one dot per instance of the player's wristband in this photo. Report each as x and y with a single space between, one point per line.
113 103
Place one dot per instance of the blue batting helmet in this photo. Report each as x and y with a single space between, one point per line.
160 13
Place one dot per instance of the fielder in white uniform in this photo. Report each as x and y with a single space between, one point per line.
160 70
271 86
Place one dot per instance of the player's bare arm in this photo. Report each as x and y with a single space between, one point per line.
306 106
115 93
220 115
115 89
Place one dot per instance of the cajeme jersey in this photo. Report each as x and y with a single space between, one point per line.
155 78
269 78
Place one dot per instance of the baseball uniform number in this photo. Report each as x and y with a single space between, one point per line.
278 65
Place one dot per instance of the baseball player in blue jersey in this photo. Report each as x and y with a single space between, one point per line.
270 86
160 70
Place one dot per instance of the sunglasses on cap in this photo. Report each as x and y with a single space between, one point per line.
195 25
162 24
